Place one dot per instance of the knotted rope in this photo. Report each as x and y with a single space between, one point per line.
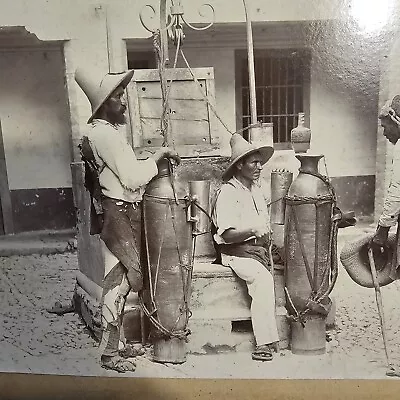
330 272
186 269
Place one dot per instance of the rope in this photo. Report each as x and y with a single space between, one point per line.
164 122
160 58
213 109
183 309
182 334
302 248
316 295
334 264
299 200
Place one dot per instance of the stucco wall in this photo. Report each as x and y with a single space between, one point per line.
35 120
343 127
338 122
57 19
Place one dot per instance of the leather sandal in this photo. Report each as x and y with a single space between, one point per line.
60 309
262 353
130 351
118 363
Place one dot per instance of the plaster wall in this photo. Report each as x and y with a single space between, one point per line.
35 120
343 128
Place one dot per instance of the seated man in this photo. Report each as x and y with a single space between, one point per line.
242 237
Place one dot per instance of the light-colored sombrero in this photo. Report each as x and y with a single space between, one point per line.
354 257
98 85
240 148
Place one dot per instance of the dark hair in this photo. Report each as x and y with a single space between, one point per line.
99 112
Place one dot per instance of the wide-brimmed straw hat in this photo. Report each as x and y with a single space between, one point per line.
354 257
240 148
98 85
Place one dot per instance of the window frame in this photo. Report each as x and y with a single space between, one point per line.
241 56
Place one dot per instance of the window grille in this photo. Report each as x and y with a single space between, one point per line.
281 87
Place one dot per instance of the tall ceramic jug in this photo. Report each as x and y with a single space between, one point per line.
169 262
309 246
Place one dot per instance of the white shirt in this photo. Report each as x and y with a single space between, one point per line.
123 176
238 207
391 206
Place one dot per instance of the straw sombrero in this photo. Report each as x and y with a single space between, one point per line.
98 86
240 148
354 257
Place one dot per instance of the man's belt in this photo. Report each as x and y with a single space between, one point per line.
125 204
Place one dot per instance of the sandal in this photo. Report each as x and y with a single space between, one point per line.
130 351
392 371
117 363
59 309
262 353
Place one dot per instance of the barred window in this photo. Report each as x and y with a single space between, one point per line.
282 89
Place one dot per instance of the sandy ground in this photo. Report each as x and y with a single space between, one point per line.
34 341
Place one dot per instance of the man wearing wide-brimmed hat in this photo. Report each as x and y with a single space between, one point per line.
390 121
121 180
242 236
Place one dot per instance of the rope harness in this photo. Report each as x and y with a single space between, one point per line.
330 272
185 268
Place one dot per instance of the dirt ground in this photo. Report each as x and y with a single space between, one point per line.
38 342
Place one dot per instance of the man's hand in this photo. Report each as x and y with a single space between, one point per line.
261 231
262 234
379 240
166 152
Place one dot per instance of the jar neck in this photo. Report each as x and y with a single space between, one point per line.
309 163
163 169
301 119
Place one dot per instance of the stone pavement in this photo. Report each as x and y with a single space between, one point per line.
34 341
40 242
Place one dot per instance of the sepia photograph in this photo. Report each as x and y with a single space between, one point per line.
200 189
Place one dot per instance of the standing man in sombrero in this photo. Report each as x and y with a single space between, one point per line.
242 236
390 121
122 180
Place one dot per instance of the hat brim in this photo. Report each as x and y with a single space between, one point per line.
266 153
124 81
354 258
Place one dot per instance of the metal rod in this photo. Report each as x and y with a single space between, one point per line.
250 60
163 31
110 59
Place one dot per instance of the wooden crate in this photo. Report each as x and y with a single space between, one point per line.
194 126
